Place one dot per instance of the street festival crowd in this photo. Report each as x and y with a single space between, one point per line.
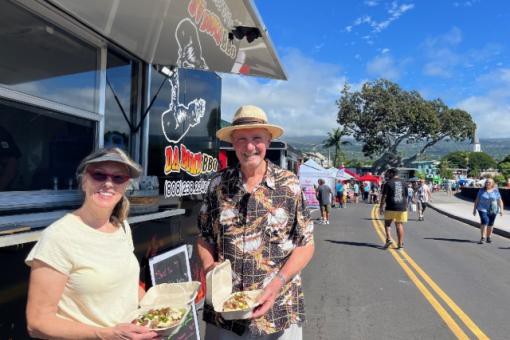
84 274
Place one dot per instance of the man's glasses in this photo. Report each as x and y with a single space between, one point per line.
101 176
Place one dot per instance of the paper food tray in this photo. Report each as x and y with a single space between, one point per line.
219 289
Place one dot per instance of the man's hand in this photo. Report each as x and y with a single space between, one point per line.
267 298
474 212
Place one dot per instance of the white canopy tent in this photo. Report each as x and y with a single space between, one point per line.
339 174
309 174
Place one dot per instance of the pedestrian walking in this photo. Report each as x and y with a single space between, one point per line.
488 203
423 197
449 189
394 206
366 191
325 197
339 188
356 191
411 202
254 215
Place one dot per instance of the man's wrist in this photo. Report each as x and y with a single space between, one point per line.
281 278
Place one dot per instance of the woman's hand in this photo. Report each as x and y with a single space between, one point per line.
125 331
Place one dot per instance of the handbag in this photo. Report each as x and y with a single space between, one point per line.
493 207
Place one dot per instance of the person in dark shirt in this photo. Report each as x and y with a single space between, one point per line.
324 195
394 206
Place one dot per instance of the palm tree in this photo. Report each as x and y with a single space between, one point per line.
335 139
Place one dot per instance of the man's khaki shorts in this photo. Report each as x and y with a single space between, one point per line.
325 208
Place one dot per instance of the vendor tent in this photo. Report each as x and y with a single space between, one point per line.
339 174
309 174
370 178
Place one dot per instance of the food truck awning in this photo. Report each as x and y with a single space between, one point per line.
216 35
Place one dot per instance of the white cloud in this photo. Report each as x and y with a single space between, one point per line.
394 12
443 57
371 3
491 110
468 3
384 66
385 50
303 105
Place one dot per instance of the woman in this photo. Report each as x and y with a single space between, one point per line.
488 203
84 274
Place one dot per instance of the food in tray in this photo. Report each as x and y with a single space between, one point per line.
238 301
160 318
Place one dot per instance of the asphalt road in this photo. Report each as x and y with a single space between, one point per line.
442 286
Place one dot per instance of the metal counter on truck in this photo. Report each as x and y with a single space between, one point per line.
78 75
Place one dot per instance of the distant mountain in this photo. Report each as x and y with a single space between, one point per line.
498 148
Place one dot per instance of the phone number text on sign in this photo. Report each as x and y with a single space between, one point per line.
184 188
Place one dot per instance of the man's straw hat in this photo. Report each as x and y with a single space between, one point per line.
248 117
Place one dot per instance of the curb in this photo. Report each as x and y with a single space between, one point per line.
495 230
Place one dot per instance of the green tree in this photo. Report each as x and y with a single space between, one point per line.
481 160
504 167
335 140
457 159
444 170
420 174
383 116
500 180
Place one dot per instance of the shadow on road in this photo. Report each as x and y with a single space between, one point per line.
449 239
357 244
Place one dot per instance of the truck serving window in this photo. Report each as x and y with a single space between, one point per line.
40 149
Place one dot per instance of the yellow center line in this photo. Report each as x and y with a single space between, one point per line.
454 327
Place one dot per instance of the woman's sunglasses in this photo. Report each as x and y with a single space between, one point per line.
101 176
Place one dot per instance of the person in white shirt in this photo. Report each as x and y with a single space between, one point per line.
84 274
423 197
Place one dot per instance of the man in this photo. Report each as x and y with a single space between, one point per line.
254 215
393 198
410 197
324 196
339 188
355 188
423 196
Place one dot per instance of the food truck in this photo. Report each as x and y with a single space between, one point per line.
139 75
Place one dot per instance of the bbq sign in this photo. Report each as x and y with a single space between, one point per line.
181 159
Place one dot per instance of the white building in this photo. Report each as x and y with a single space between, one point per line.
477 147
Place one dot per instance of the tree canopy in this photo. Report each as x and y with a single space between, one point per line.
335 139
382 116
475 161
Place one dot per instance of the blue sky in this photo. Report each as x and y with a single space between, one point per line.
455 50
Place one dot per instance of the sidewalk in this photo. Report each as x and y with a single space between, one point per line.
461 209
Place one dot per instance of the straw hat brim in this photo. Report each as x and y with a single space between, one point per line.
225 134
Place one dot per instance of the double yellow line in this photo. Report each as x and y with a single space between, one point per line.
414 272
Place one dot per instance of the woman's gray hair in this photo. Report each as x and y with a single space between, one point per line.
121 210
